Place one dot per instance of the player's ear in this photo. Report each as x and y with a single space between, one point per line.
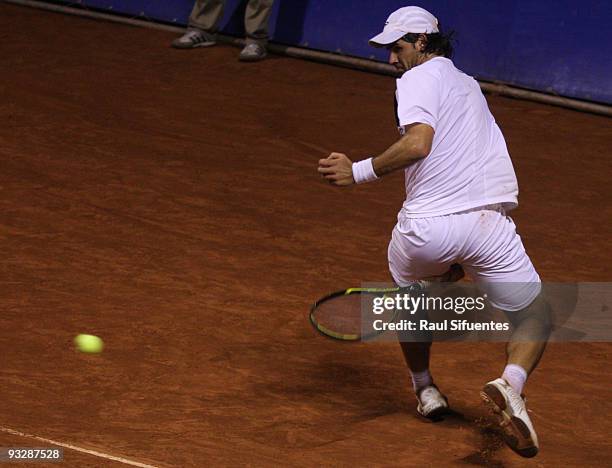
421 43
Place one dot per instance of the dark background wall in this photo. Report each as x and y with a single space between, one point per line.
562 47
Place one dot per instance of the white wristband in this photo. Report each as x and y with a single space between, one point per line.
363 171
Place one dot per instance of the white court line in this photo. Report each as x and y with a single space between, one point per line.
77 449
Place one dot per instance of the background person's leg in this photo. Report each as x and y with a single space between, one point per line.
256 26
202 26
206 15
256 20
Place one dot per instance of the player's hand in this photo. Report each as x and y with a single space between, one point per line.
337 169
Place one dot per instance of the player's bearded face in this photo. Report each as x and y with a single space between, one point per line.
403 55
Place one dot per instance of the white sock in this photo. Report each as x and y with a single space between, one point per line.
515 376
421 379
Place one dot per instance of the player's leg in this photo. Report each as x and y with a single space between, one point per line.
532 328
417 355
495 257
431 403
413 257
533 325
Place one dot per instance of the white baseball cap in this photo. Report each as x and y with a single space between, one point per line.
410 19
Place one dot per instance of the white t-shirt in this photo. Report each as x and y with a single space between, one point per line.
469 165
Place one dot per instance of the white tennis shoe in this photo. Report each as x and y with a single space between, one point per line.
510 409
431 403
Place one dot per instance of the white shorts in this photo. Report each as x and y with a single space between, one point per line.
482 240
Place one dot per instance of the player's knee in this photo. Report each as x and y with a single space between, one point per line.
415 315
538 315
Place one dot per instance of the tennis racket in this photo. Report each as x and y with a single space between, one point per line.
347 315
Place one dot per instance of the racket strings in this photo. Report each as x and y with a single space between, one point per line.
349 316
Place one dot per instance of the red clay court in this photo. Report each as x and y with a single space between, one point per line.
168 202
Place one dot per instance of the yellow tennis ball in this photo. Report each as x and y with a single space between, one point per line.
89 344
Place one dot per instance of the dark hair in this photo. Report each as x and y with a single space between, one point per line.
437 43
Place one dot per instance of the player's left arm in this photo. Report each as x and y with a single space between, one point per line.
414 145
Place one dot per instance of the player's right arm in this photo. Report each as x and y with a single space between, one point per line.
414 145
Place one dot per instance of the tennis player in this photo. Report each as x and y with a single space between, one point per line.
460 184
